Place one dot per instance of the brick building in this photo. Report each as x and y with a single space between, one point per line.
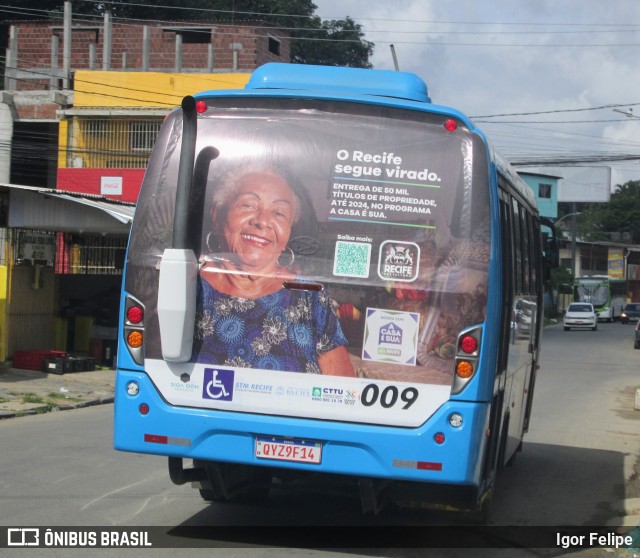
82 101
40 61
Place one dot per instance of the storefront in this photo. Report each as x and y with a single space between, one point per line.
61 270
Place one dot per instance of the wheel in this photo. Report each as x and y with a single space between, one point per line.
480 516
595 328
566 328
227 481
636 344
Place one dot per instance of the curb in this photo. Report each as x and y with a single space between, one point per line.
45 409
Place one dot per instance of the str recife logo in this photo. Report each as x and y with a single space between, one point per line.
218 384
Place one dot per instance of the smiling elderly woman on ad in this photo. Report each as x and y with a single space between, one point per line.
246 318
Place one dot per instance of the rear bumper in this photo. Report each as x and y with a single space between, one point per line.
580 323
348 449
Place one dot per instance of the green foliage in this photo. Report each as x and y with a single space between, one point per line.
32 398
561 276
43 9
621 214
329 43
336 43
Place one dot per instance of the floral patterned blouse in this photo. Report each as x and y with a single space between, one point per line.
286 330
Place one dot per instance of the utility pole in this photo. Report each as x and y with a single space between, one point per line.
395 58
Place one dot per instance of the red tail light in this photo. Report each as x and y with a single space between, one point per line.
450 125
135 314
134 329
469 344
467 357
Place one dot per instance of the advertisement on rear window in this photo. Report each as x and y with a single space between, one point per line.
340 255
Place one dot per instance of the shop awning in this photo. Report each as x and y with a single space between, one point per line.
48 209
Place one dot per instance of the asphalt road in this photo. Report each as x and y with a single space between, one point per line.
60 469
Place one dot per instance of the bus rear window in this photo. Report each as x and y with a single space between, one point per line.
382 210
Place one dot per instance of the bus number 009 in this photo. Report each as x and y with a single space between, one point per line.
388 397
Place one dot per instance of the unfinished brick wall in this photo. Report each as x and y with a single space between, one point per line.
251 42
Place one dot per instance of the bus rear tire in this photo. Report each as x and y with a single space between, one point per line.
229 481
209 496
482 513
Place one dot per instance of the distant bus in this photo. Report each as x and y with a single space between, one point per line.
328 274
607 294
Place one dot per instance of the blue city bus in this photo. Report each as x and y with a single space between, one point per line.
328 274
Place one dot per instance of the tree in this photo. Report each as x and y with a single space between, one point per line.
621 214
313 41
336 43
329 43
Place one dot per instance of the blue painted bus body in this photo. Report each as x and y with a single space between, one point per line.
350 449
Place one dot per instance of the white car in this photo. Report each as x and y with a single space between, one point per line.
580 314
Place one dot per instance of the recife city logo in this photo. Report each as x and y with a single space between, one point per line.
399 261
218 384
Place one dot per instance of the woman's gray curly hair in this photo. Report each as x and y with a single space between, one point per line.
225 191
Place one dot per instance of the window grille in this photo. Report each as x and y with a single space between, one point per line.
90 254
4 246
143 134
113 142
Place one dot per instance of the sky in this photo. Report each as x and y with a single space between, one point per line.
574 61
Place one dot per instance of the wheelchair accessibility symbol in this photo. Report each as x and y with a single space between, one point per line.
218 384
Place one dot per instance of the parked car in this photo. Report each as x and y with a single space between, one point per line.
580 314
636 343
630 313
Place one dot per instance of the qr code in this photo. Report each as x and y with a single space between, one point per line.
352 259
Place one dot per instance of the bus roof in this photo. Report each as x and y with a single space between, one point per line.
510 173
381 83
401 89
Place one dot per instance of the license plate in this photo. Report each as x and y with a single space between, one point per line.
288 449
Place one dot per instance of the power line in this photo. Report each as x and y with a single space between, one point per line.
548 121
387 20
556 111
571 157
122 20
131 95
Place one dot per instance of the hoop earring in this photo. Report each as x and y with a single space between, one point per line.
292 256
